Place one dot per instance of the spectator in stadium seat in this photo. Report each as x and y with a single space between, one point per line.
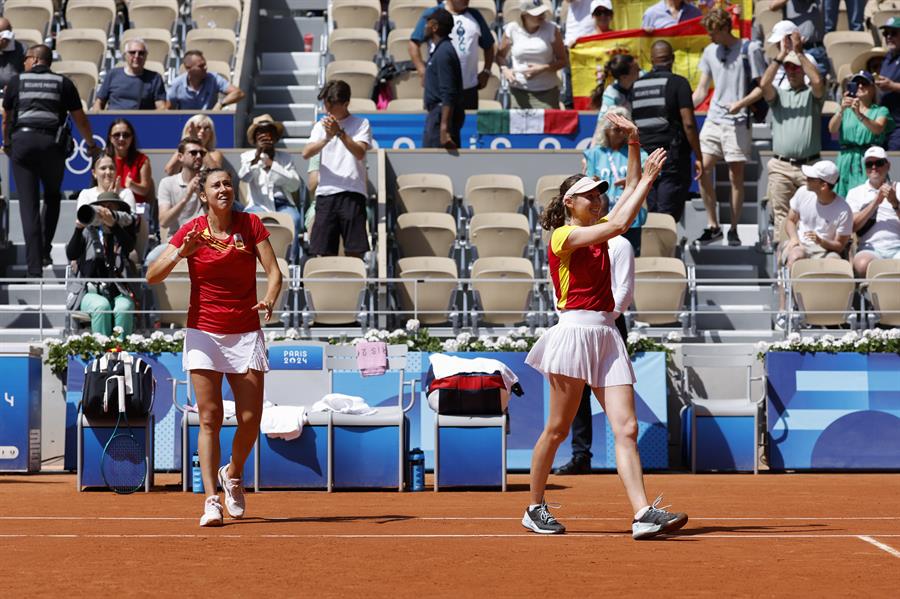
469 33
198 89
12 53
664 114
134 173
875 213
807 16
855 14
888 79
819 222
859 123
270 174
726 131
536 52
342 140
199 126
132 87
667 13
796 125
443 87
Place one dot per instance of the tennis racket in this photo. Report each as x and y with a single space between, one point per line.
123 463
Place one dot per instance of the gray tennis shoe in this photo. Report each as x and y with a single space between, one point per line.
657 521
541 521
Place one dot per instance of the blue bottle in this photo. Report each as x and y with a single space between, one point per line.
196 478
417 470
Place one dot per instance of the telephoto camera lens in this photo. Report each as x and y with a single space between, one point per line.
87 216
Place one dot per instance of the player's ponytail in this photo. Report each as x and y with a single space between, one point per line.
555 213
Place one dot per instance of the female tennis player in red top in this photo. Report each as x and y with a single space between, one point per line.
223 335
585 347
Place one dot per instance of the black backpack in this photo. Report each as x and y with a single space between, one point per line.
100 396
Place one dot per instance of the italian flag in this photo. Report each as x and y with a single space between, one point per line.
529 121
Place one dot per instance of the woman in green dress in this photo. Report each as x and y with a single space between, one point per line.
859 124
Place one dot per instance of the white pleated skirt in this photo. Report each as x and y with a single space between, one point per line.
584 345
228 353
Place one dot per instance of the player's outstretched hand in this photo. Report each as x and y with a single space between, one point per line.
654 163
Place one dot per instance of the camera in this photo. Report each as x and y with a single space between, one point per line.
852 88
87 216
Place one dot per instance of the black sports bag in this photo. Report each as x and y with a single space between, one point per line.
100 396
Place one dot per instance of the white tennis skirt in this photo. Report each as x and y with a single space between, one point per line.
229 352
584 345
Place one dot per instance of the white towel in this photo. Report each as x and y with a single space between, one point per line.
344 404
443 366
282 422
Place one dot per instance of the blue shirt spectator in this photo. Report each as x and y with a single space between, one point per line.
124 91
667 13
198 89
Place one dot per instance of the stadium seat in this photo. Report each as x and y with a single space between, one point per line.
216 44
883 291
359 74
280 236
499 234
860 62
484 104
29 37
83 74
766 18
512 13
505 302
158 42
356 13
487 8
830 107
823 302
843 46
29 14
494 193
546 187
340 298
216 14
406 105
173 296
426 233
425 192
407 86
154 14
91 14
150 65
362 105
489 92
353 43
659 290
217 66
398 45
432 302
81 44
405 13
262 285
659 236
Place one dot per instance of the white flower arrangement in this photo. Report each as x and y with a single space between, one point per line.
867 341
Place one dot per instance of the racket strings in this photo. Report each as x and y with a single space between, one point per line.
124 467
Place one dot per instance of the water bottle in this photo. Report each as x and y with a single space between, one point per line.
417 470
196 478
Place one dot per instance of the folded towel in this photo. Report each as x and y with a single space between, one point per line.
371 358
282 422
443 366
343 404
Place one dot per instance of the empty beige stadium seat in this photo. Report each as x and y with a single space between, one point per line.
511 11
489 104
503 302
424 192
356 13
843 46
659 236
546 187
81 44
353 43
156 14
217 66
499 234
426 233
882 16
405 13
158 42
359 74
29 14
216 14
29 37
494 193
487 8
82 73
337 299
216 44
823 302
659 289
398 45
281 218
766 17
406 105
407 86
262 286
884 291
489 91
91 14
428 301
173 293
362 105
281 231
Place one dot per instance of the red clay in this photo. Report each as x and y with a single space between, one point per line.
766 535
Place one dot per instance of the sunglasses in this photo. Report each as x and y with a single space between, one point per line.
602 13
875 163
197 152
889 32
136 52
121 135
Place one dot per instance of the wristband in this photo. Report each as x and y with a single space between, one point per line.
634 142
777 60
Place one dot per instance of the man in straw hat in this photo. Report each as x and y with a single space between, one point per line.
888 80
270 173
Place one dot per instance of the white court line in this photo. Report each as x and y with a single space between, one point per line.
454 518
879 544
522 535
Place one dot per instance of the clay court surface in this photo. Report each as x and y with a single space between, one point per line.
768 535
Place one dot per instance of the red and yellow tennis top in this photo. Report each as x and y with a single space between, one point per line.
581 276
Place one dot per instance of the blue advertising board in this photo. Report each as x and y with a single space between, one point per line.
20 409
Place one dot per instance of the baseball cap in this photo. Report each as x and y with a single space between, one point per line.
607 4
825 170
865 76
875 152
892 23
533 7
793 58
586 184
781 30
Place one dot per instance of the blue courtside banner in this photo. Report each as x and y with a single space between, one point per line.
295 357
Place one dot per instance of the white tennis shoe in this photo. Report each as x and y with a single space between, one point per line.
234 493
212 512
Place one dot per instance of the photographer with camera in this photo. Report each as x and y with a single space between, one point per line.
859 124
103 238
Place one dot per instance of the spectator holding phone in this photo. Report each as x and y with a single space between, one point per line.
859 123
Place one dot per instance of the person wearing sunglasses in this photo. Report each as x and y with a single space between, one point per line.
876 212
132 87
888 78
796 124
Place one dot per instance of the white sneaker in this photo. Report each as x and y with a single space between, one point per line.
234 493
212 512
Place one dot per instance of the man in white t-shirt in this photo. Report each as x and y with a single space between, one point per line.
819 222
342 140
875 213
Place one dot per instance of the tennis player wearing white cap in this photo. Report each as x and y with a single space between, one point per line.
584 347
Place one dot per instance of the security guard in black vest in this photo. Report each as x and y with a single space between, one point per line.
37 138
